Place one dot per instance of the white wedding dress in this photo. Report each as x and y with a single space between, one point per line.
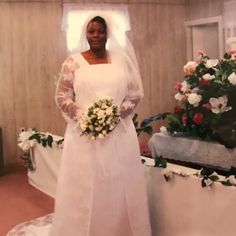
101 187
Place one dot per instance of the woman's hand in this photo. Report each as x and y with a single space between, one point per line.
124 112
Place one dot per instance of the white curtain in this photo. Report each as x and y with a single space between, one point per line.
229 16
74 16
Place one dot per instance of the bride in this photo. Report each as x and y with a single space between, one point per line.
101 188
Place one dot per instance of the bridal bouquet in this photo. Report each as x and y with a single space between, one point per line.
101 118
207 100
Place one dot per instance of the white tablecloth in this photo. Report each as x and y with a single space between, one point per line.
46 161
192 150
180 207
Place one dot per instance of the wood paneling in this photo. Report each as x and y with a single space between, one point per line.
33 48
196 9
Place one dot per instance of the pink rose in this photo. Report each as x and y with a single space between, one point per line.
177 86
198 118
207 106
201 52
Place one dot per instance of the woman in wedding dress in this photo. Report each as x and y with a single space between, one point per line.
101 187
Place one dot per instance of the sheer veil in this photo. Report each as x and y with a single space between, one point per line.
117 43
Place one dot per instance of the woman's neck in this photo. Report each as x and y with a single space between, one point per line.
98 53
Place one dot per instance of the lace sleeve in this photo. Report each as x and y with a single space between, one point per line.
65 97
134 91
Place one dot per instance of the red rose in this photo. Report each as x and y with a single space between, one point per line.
177 108
204 82
177 86
184 119
198 118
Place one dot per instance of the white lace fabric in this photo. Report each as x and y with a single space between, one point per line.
65 97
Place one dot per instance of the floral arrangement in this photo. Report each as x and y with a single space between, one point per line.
29 138
207 100
102 117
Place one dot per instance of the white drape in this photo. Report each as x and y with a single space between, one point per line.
74 16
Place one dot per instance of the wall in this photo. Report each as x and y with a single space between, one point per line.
33 47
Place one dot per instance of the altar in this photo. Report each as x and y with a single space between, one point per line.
178 207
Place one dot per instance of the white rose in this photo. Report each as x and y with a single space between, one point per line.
104 132
190 67
109 111
232 179
211 63
98 128
219 105
91 127
163 130
100 113
179 96
101 136
194 99
111 127
208 77
83 126
184 87
232 78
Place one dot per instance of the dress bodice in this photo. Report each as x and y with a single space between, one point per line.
94 82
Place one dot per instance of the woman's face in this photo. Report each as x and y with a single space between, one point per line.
96 35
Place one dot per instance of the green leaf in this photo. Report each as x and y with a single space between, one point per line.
147 130
160 162
44 142
206 171
226 183
213 178
50 140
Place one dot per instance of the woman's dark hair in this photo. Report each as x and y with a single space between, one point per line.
100 20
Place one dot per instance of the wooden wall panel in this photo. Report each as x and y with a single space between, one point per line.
33 49
196 9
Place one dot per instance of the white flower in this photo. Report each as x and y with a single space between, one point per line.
219 105
83 126
101 136
111 127
101 114
104 132
180 97
163 130
232 78
194 99
190 67
109 111
91 127
184 87
211 63
208 77
99 128
231 179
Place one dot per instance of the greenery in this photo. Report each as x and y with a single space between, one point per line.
145 125
207 100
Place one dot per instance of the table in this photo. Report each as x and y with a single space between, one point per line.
192 150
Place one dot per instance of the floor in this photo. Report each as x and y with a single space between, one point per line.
20 202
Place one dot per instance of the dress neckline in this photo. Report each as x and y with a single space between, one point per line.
96 63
